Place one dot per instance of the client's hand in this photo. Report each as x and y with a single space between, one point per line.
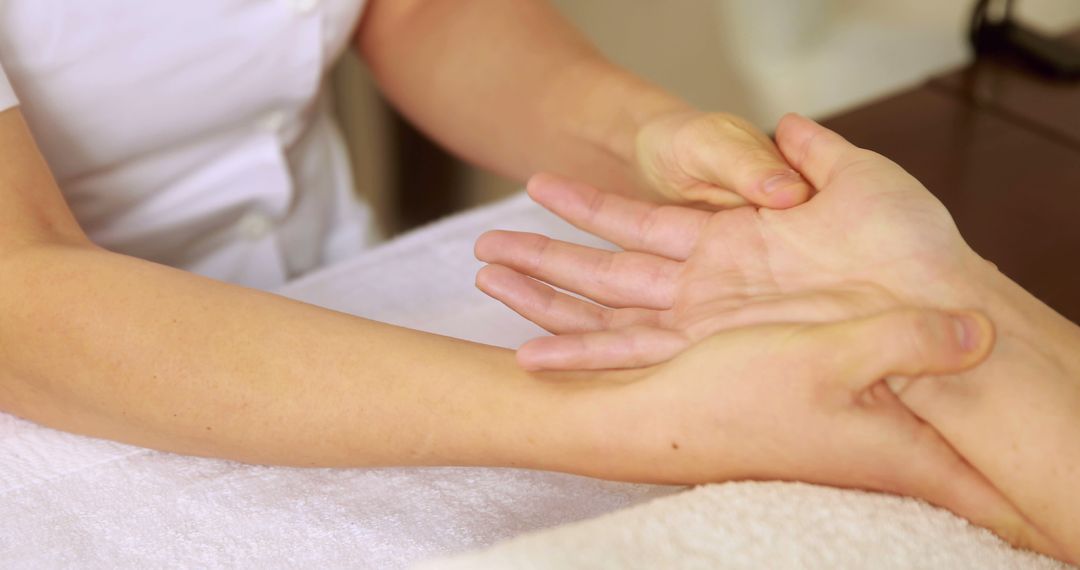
873 237
783 402
715 159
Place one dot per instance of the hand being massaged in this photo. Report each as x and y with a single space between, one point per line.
872 238
872 243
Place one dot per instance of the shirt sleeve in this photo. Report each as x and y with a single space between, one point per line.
7 94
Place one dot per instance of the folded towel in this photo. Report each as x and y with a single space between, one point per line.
760 525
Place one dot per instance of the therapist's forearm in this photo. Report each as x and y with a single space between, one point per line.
511 86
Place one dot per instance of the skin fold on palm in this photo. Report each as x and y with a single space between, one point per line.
870 240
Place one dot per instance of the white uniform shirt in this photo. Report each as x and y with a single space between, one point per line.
193 133
7 95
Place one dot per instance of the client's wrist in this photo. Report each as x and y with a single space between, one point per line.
1019 316
1014 417
572 422
613 425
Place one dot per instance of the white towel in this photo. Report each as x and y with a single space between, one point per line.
71 501
760 525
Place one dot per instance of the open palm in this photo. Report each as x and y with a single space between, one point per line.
872 238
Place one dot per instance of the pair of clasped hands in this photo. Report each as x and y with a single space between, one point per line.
797 329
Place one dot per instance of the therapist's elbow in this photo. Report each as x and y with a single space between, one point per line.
18 251
33 210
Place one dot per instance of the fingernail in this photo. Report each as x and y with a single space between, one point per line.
967 332
781 180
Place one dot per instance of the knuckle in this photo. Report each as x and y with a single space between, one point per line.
730 123
748 149
646 224
925 332
595 205
713 128
606 267
539 246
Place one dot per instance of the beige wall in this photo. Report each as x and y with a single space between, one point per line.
761 58
366 125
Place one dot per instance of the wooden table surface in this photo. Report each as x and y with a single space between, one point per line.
1000 147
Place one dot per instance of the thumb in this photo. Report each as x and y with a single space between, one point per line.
717 158
815 151
905 342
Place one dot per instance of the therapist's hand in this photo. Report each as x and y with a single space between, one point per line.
716 160
871 239
783 402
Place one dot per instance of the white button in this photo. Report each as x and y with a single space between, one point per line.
272 122
254 225
303 6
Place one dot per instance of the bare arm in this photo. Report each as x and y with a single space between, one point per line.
872 237
102 344
513 87
111 346
1017 417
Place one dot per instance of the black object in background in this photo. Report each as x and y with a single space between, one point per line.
995 31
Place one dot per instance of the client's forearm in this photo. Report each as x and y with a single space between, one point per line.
1017 417
101 344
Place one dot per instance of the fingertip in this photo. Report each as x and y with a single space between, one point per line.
794 122
538 181
503 284
911 342
788 125
481 246
486 246
816 151
794 196
543 185
944 342
974 334
784 190
534 355
485 279
793 132
794 118
527 364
